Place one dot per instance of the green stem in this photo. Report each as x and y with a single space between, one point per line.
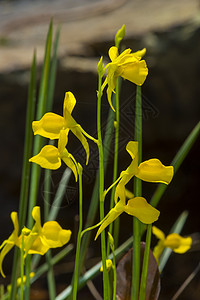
50 273
78 246
145 264
137 193
22 269
101 191
117 221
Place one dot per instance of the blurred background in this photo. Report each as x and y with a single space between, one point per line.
170 30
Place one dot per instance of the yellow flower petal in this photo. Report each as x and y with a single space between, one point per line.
153 170
53 235
77 132
135 72
110 217
63 140
108 265
178 243
48 158
158 249
139 208
67 158
158 233
49 126
139 54
69 103
8 244
113 53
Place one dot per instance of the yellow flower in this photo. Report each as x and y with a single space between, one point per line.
127 65
50 125
36 241
173 241
137 207
50 157
151 170
108 265
7 245
42 238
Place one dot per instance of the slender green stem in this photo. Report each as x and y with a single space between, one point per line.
101 191
35 174
50 273
26 167
78 246
145 264
137 193
22 269
115 169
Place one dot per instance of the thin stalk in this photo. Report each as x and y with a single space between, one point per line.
93 203
22 269
35 174
78 246
50 273
101 190
145 264
26 167
115 168
137 193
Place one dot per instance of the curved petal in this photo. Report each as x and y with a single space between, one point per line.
139 208
113 53
7 247
120 191
49 126
69 103
68 106
37 247
178 243
8 244
110 217
139 54
158 233
48 158
158 249
53 235
63 140
132 149
77 132
37 217
69 160
135 72
153 170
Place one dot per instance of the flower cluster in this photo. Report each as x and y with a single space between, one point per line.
54 126
36 241
151 170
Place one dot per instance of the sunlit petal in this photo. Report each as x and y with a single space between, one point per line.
48 158
153 170
135 72
113 53
49 126
139 208
53 235
69 103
